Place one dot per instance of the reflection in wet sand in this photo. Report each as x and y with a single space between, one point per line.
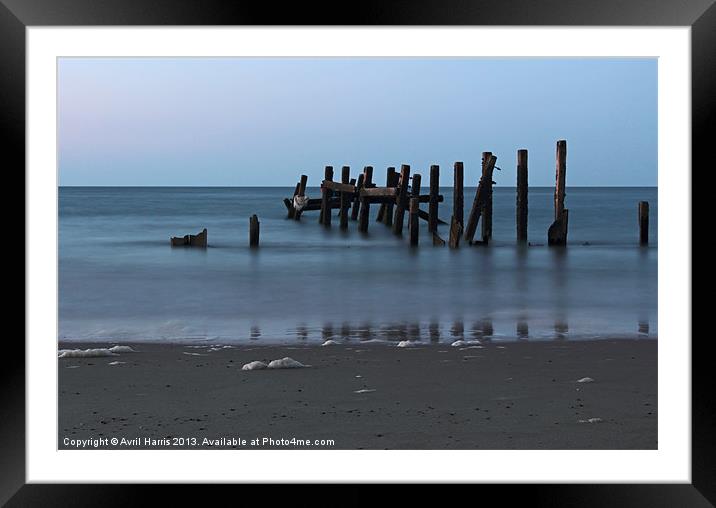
482 330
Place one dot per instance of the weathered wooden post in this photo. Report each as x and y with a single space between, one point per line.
343 212
402 199
478 204
390 206
415 193
326 194
301 193
254 231
557 233
433 203
521 214
644 222
384 207
356 197
365 200
457 206
414 226
487 207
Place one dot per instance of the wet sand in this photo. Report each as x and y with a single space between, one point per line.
517 395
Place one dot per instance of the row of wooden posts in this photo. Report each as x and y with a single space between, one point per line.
401 193
353 199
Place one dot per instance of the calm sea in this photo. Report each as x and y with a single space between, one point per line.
120 280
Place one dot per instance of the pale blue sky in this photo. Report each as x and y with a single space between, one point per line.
239 121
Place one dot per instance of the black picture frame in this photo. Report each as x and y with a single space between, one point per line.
16 15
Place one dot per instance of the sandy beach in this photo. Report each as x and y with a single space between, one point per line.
515 395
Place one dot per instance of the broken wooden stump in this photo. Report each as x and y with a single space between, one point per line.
414 226
433 203
365 199
643 222
521 205
478 203
198 240
299 200
557 233
401 200
253 231
326 193
457 206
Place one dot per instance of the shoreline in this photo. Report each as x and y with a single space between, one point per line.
495 395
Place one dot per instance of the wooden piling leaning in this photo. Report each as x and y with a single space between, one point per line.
401 199
365 200
326 194
521 205
487 206
253 231
557 233
478 203
301 193
345 197
643 222
433 203
457 206
414 226
356 197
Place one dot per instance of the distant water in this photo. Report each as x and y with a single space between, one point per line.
120 280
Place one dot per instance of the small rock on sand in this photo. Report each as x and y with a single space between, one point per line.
585 380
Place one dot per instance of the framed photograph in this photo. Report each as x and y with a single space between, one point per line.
421 246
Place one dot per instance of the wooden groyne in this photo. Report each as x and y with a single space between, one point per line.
401 196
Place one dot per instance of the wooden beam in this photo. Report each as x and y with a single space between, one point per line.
339 187
426 216
377 192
